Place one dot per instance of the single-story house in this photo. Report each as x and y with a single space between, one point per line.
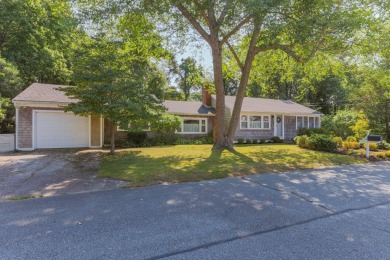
42 123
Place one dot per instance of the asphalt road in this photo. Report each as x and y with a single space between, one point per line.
334 213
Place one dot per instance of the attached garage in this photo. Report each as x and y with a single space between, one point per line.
41 121
56 129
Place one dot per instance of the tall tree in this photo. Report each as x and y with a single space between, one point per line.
36 36
10 85
111 83
319 83
10 81
190 76
370 79
111 73
299 28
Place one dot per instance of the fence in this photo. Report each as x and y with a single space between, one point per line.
7 142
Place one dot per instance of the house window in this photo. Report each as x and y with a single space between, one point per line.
145 127
317 122
244 122
266 122
299 122
255 122
311 122
193 125
119 129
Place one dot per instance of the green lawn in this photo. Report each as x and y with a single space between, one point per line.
181 163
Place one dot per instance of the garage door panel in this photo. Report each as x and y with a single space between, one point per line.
61 130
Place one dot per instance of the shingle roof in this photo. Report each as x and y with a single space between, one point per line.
39 92
187 108
263 105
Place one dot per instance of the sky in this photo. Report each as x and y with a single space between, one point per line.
200 52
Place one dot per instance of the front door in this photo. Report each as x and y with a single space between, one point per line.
279 126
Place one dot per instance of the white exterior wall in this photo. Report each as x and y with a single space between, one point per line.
7 142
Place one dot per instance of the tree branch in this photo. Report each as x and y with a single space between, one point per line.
197 26
235 56
284 14
224 12
235 29
288 50
202 13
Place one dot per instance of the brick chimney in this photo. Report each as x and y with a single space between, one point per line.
206 97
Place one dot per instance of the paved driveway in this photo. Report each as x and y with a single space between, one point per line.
333 213
51 172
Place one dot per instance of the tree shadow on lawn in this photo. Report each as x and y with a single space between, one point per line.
142 169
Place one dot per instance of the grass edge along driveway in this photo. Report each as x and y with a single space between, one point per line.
183 163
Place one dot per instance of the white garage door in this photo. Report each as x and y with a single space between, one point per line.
61 130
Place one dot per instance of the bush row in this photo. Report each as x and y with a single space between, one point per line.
318 142
383 155
351 143
140 139
275 139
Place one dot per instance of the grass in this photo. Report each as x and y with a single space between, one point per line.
23 197
148 166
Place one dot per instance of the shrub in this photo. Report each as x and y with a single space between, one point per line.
320 142
384 145
248 141
351 139
276 139
387 154
302 141
351 145
204 140
380 155
165 129
136 139
353 152
263 140
360 128
311 131
338 141
240 140
162 139
303 131
372 146
255 141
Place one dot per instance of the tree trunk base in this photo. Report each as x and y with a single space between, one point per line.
226 144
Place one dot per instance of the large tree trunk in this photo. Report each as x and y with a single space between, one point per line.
238 103
245 72
112 142
219 124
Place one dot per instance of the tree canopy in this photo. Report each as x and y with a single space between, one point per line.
111 75
298 28
190 76
35 36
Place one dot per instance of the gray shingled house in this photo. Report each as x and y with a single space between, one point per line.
42 123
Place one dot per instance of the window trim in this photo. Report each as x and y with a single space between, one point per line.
308 122
296 122
200 125
118 129
262 122
307 125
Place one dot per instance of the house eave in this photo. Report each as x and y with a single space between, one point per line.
27 103
187 114
282 113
